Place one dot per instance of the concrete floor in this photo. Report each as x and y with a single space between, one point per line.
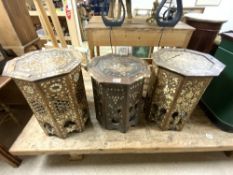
175 164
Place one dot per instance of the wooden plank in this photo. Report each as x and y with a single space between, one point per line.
16 27
8 35
67 38
10 159
45 22
56 22
72 22
139 38
19 50
198 135
35 13
136 32
135 23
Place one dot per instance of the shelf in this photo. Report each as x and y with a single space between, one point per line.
198 135
67 38
35 13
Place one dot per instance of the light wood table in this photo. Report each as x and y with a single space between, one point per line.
198 135
136 32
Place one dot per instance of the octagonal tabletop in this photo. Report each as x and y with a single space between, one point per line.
118 69
188 62
40 65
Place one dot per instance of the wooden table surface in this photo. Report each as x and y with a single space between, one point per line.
198 135
136 32
135 23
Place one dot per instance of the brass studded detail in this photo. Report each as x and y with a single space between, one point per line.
55 92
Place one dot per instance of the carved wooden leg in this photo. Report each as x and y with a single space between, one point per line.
98 50
129 9
76 157
9 158
92 49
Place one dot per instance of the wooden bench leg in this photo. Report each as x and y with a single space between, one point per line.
9 158
98 50
76 157
92 51
228 153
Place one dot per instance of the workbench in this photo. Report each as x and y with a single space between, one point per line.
136 32
198 135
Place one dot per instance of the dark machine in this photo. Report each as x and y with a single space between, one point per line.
170 16
114 22
167 14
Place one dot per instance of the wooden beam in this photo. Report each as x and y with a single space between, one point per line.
9 158
72 22
56 22
45 22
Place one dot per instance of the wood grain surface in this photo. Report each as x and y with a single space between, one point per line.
198 135
136 32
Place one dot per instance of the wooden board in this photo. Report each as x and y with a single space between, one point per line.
198 135
135 23
69 13
35 13
16 28
72 22
46 23
56 22
136 32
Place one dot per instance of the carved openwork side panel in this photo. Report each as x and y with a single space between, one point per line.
152 80
191 91
118 86
81 98
166 88
59 104
98 99
39 107
80 94
183 76
52 83
175 98
114 107
120 106
135 103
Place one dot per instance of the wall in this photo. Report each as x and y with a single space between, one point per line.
224 10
